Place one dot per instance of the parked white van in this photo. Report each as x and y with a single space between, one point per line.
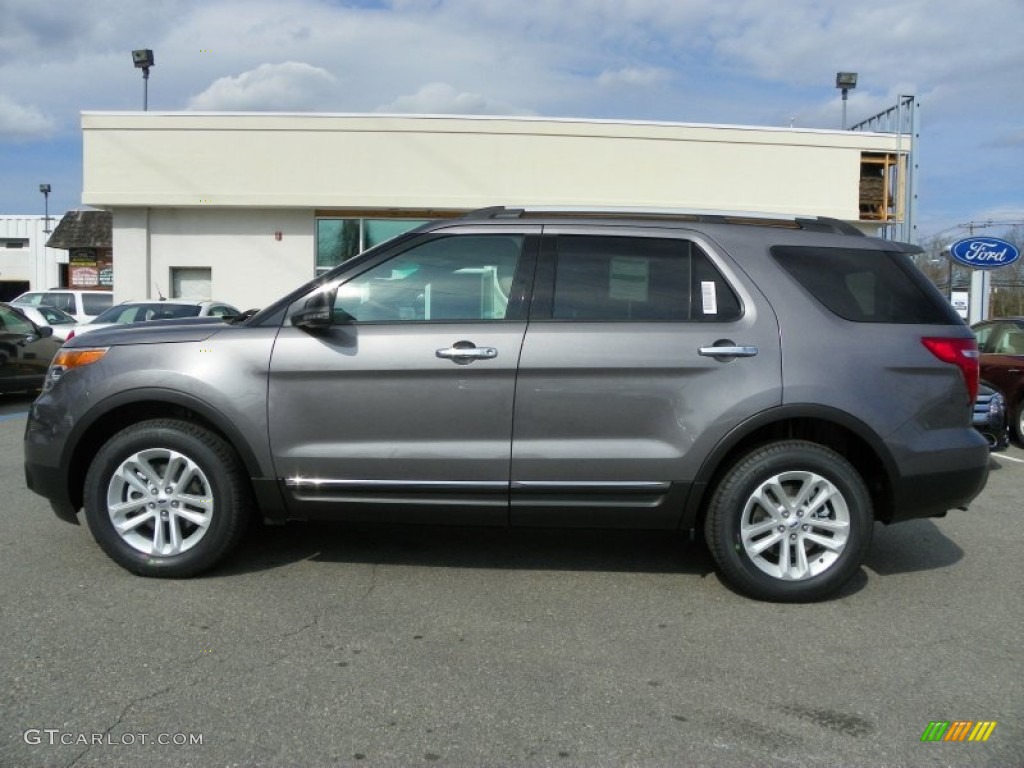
82 305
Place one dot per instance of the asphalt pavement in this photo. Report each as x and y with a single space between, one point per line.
341 645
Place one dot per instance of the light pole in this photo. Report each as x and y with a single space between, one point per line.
143 59
846 81
45 189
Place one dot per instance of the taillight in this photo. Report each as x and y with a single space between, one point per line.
70 336
962 353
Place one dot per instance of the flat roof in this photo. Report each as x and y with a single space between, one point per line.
530 119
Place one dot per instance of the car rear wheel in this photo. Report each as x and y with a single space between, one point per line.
1017 422
789 522
166 498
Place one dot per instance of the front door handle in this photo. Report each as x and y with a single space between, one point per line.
463 352
725 348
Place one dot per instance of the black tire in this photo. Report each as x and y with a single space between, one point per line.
1016 417
763 560
182 528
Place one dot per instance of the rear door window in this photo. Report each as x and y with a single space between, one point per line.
60 300
95 303
616 279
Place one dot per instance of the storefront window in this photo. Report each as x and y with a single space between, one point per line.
338 240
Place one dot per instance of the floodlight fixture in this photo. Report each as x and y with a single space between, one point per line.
143 59
845 81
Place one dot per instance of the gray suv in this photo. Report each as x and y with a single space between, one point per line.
779 384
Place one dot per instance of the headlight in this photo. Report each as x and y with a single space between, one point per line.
66 359
996 405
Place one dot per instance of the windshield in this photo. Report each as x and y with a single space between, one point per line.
54 316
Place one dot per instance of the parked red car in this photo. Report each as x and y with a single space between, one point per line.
1001 343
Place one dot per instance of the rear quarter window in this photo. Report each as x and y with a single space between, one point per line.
867 286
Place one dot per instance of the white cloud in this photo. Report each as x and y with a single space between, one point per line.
633 77
19 122
292 85
444 99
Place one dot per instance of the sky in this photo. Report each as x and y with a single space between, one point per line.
747 62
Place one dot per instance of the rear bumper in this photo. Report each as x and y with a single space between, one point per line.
932 494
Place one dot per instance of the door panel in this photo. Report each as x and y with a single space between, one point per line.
406 403
1002 357
613 419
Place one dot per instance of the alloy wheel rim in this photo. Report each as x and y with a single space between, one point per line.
160 502
795 525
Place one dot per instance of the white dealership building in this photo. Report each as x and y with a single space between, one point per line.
245 206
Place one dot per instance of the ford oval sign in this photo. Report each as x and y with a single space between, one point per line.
984 252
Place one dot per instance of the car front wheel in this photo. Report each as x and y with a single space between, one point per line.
789 522
166 498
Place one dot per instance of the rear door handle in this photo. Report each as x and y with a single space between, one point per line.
463 352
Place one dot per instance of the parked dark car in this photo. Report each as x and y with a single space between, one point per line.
990 417
1001 344
26 350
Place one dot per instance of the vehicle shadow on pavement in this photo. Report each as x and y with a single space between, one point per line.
916 545
267 547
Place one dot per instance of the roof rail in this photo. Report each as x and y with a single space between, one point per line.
752 218
494 212
826 224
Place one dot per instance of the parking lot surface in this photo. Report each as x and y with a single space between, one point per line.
323 645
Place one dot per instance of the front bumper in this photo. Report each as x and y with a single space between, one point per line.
49 482
989 418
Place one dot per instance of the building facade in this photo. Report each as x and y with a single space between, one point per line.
26 263
86 236
243 207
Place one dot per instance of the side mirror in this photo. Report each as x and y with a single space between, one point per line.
38 332
318 312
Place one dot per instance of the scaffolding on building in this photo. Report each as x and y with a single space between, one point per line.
898 216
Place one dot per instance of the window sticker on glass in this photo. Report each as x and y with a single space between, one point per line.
629 279
709 297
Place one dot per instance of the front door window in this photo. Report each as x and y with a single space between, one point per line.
465 278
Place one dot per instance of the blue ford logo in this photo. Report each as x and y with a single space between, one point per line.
984 252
